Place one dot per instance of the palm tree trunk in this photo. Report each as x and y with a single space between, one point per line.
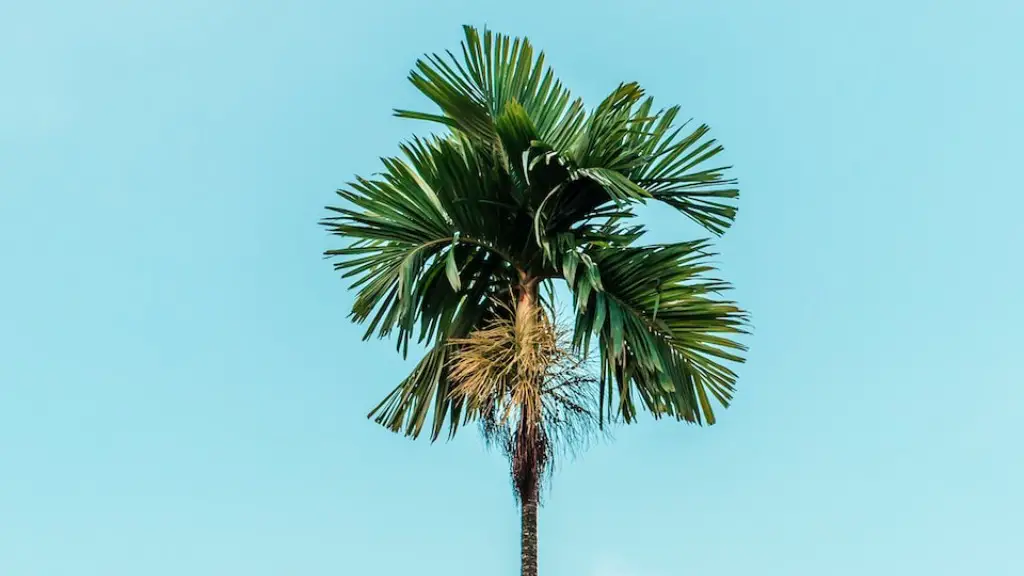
527 471
529 530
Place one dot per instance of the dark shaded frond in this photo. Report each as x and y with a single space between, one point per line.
428 232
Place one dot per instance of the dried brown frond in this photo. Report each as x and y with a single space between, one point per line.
533 396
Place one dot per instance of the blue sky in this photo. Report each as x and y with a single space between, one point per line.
180 392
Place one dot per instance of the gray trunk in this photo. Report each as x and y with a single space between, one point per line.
529 531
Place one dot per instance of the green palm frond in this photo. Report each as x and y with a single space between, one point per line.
428 389
493 71
635 154
675 169
425 232
664 333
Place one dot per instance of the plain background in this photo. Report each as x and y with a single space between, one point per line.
181 393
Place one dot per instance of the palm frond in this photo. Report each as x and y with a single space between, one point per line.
643 154
493 71
664 333
675 170
428 389
423 234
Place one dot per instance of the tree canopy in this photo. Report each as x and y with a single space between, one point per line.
525 186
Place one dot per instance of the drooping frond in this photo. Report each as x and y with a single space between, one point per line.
427 233
675 169
429 247
428 389
664 333
634 154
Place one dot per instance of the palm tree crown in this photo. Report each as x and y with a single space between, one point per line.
525 188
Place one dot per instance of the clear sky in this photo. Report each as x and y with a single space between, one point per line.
181 393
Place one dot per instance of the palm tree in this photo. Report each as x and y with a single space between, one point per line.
460 242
